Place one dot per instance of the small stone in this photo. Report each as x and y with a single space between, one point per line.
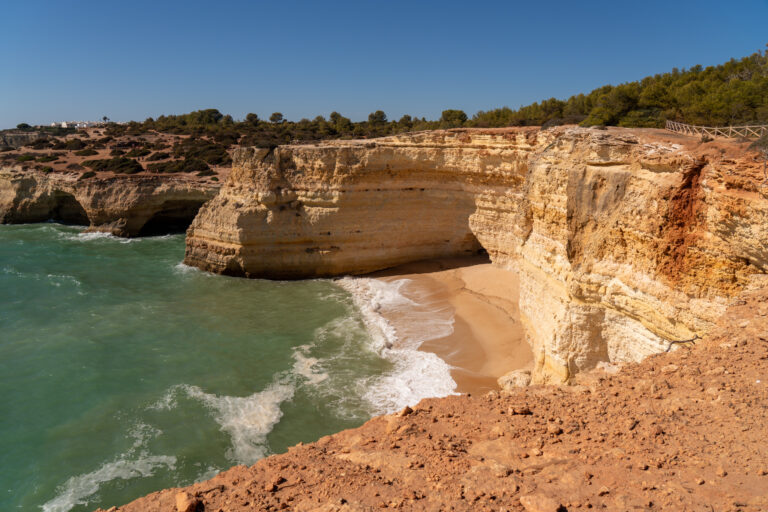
405 412
185 502
540 503
699 481
603 491
670 368
554 429
721 471
744 324
536 452
515 379
657 430
520 409
762 471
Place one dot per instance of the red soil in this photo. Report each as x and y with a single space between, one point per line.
680 431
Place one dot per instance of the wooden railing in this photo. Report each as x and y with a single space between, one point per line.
747 132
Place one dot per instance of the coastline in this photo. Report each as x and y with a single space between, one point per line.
487 339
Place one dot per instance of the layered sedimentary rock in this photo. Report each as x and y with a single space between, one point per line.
18 139
121 205
624 240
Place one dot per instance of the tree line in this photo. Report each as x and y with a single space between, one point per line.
732 93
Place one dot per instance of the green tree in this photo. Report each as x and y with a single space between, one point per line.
452 118
377 118
276 118
23 127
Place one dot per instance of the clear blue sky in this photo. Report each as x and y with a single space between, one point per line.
134 59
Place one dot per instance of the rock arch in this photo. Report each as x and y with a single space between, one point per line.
67 210
173 216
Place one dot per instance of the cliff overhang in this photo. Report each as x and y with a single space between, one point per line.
624 240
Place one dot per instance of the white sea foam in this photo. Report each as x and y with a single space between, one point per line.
90 236
78 489
166 402
184 269
416 374
135 463
247 420
306 366
59 279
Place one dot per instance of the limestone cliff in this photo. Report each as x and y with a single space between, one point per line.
11 139
624 240
121 205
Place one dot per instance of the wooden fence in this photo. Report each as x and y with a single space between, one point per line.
747 132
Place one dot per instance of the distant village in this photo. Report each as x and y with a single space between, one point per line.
76 124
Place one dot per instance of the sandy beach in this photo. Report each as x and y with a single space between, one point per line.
487 339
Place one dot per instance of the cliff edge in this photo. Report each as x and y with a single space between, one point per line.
624 240
121 205
679 431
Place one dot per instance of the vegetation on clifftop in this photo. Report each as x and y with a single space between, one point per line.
728 94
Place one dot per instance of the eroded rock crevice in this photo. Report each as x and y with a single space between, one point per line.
173 216
123 206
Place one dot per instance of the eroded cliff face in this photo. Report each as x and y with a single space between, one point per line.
624 240
121 205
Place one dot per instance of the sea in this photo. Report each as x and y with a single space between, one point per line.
124 371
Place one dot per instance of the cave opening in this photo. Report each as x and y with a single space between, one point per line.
174 216
67 210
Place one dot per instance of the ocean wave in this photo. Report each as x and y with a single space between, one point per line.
415 374
91 236
184 269
247 420
78 489
59 279
306 366
135 463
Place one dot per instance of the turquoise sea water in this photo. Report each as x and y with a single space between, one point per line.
123 371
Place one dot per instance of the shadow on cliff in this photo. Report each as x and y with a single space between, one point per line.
67 210
434 265
172 217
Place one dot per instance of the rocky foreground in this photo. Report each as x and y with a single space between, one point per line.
680 431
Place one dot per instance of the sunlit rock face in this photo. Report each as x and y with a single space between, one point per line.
624 239
120 205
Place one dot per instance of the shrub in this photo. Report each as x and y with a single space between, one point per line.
75 167
187 165
47 158
86 152
158 156
86 175
138 152
118 165
25 158
200 149
206 172
116 152
40 144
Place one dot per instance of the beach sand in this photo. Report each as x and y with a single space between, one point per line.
487 339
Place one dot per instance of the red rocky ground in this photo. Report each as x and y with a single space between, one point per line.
683 431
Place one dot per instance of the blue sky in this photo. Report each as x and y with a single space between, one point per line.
134 59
